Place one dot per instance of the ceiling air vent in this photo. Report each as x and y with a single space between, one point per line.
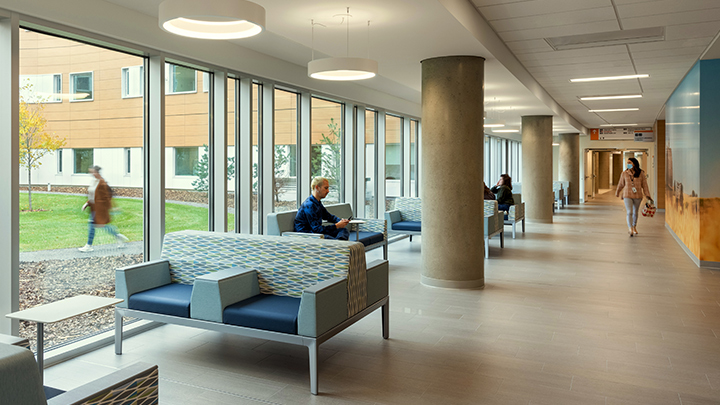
608 38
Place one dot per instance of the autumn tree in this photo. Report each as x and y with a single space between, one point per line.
35 142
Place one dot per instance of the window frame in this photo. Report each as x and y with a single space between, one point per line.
75 153
72 91
175 156
124 81
168 85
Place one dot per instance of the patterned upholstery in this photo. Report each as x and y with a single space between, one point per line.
374 225
517 211
285 266
142 389
490 207
410 208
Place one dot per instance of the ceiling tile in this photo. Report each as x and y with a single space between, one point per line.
558 31
670 19
649 8
537 8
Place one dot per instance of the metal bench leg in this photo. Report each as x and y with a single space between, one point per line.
487 247
410 238
386 320
502 239
514 229
313 354
523 226
118 332
385 250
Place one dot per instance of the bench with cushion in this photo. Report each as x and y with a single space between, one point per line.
300 291
372 234
516 213
405 217
20 383
494 224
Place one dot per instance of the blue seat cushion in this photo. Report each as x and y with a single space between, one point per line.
367 238
506 217
406 226
263 311
170 299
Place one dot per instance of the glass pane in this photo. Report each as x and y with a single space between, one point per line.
231 154
81 86
187 156
255 157
326 153
370 153
413 158
285 164
83 160
393 159
75 137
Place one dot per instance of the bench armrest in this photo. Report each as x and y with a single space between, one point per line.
517 212
322 307
139 380
215 291
140 277
393 216
304 235
377 281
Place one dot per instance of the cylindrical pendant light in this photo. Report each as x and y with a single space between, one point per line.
212 19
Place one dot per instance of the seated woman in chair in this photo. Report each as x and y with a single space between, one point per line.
503 191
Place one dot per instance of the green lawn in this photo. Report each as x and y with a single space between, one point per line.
63 225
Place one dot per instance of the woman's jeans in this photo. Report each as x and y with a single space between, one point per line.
632 206
91 229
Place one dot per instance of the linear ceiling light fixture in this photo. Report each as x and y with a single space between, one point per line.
601 79
614 110
588 98
342 68
607 38
212 19
506 130
618 125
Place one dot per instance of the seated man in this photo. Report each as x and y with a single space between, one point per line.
311 214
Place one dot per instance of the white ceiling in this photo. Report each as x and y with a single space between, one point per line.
404 32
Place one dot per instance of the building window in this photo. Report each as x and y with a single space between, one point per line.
58 154
81 86
83 160
206 82
185 161
41 88
132 81
179 79
127 160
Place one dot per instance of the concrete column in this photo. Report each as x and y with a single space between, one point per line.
537 191
569 164
617 165
452 182
604 170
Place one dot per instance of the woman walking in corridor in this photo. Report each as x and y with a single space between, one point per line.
633 185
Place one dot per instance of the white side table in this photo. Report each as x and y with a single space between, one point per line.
59 311
357 223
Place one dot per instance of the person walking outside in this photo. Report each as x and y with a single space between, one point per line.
100 202
633 185
503 190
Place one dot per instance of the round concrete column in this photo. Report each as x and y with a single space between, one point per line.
569 164
452 181
537 170
604 169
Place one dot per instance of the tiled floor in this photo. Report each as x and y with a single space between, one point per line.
575 312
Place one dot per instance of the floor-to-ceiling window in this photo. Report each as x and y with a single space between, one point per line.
187 104
256 90
232 128
393 158
285 162
413 158
370 166
327 146
81 112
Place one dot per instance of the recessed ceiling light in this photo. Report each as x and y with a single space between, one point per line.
556 144
506 130
614 110
618 125
600 79
608 38
611 97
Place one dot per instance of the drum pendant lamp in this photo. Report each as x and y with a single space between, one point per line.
212 19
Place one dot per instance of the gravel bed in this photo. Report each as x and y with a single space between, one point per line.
48 281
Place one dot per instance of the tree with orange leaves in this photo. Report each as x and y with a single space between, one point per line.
35 142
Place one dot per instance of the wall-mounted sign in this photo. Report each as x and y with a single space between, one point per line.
644 135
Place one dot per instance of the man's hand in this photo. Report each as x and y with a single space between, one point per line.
342 224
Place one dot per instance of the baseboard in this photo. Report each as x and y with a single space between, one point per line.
682 245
